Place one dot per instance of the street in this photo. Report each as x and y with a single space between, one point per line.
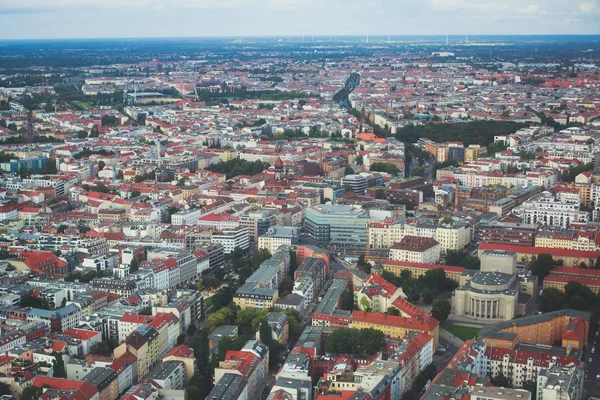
591 385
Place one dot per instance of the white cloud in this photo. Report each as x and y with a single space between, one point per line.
587 6
532 9
33 5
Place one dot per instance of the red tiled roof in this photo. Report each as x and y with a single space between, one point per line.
428 324
182 350
123 362
79 390
415 243
541 250
449 268
59 346
567 279
82 334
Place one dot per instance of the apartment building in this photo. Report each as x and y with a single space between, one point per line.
416 249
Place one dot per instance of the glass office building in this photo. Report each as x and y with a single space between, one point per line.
337 224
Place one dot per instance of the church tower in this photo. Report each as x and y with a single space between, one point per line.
278 169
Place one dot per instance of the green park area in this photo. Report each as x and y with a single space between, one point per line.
462 332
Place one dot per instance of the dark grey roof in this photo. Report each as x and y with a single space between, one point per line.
165 369
100 377
290 300
229 387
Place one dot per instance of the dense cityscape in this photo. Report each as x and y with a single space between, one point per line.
300 218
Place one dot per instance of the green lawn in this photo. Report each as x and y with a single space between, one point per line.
82 105
462 332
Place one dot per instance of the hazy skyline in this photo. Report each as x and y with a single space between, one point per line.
34 19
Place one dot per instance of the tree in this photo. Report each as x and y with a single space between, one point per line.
275 350
59 366
393 311
287 285
542 266
31 393
109 120
386 167
237 258
365 305
531 387
237 166
415 295
436 278
4 389
265 332
441 309
104 348
552 299
134 266
393 279
61 228
358 160
347 298
94 133
294 262
248 319
500 380
201 383
348 170
355 341
223 316
428 296
222 298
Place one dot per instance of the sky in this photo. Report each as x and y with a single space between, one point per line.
41 19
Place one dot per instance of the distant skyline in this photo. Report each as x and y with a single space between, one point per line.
49 19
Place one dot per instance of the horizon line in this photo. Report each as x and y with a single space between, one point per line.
304 38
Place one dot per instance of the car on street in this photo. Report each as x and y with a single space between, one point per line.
590 360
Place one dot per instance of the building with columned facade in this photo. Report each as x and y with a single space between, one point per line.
495 292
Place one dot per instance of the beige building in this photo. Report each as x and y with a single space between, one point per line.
276 237
383 235
568 239
495 292
453 237
472 152
416 249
